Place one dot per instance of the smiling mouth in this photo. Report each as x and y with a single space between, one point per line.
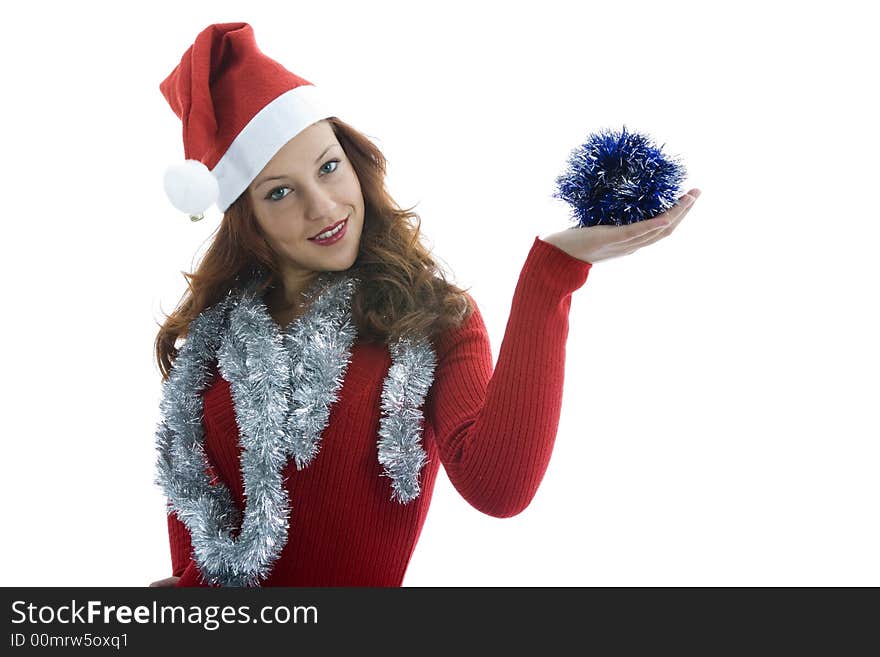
329 228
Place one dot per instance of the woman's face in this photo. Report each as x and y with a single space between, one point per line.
305 189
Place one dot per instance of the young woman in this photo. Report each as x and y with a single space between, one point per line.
328 368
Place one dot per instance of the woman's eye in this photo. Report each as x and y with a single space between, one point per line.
331 162
272 195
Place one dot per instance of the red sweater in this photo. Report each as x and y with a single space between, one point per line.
493 433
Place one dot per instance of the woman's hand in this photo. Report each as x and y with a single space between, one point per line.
168 581
595 243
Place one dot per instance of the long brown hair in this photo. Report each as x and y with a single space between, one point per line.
402 290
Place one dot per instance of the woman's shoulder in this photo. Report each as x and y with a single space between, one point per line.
470 327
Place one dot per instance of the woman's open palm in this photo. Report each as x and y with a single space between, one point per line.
595 243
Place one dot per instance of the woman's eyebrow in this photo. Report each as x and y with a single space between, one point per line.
325 152
265 180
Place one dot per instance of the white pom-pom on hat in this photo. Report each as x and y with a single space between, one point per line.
191 187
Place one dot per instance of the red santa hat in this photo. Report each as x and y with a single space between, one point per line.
238 108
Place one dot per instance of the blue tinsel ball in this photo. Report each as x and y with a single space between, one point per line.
617 178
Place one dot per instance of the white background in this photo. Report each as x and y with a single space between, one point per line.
719 420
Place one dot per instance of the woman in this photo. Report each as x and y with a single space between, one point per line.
329 368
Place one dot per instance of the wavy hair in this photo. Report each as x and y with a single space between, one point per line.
402 292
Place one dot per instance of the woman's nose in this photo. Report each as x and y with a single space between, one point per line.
320 205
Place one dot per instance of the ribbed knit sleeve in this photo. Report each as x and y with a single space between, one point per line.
179 541
495 430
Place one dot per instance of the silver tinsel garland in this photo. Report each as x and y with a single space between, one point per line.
283 385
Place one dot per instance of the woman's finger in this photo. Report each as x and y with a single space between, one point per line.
663 224
645 229
632 233
636 231
678 210
652 236
648 238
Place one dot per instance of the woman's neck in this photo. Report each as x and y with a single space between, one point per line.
287 294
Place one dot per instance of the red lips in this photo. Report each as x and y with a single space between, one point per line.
330 227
